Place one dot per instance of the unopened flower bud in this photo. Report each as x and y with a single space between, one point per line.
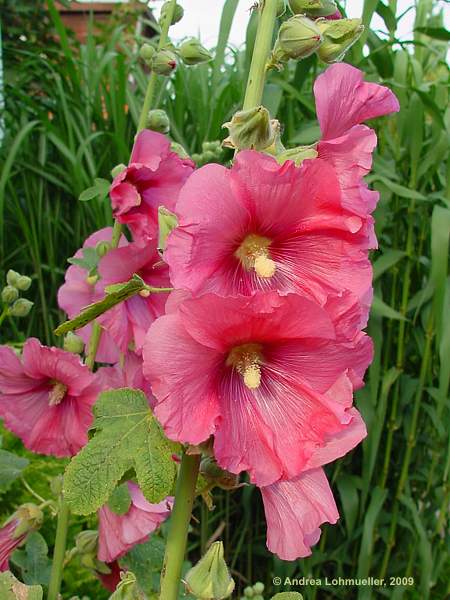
298 154
209 578
250 129
147 52
9 294
86 542
102 248
298 38
193 53
313 8
178 148
178 13
29 517
164 62
258 587
157 120
12 277
23 283
117 170
167 221
249 592
73 343
338 37
20 308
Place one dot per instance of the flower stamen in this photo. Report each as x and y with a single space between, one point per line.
57 393
253 253
246 359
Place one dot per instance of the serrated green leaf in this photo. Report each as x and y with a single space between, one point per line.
12 589
120 500
91 312
33 562
11 466
127 436
145 560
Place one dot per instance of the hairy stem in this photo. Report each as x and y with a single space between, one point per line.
179 525
59 551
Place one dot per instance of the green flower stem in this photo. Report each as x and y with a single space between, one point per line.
3 314
59 551
163 39
262 48
179 525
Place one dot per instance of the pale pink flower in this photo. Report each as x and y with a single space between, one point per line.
128 322
295 510
119 533
269 376
262 226
344 101
81 289
127 374
46 398
152 179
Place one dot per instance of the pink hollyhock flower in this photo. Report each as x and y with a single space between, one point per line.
110 580
27 518
343 101
46 399
295 510
262 226
81 289
119 533
129 375
153 178
129 321
269 376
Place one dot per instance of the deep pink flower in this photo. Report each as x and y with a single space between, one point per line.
27 518
129 321
128 375
262 226
344 101
295 510
46 399
152 179
80 290
110 580
269 376
119 533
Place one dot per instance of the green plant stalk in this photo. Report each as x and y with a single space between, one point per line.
4 314
179 526
263 45
187 478
59 551
163 39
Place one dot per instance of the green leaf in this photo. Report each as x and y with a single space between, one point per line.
145 561
33 562
398 189
127 436
348 491
99 190
120 500
88 262
120 293
11 589
381 309
387 260
11 466
437 33
378 498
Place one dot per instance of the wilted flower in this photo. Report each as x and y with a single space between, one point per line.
46 398
250 129
193 53
153 178
119 533
82 288
338 37
270 376
313 8
27 518
210 578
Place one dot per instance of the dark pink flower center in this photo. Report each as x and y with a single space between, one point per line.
253 253
57 393
247 359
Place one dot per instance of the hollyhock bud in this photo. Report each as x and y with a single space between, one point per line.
338 37
193 53
297 154
298 38
102 247
250 129
178 13
313 8
12 277
157 120
9 294
21 308
23 283
147 52
164 62
27 518
210 579
73 343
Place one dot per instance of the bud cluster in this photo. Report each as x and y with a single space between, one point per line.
254 591
15 306
211 152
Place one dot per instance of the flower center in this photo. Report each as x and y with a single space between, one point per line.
57 393
254 254
246 359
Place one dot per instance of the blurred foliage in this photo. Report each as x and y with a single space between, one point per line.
71 113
